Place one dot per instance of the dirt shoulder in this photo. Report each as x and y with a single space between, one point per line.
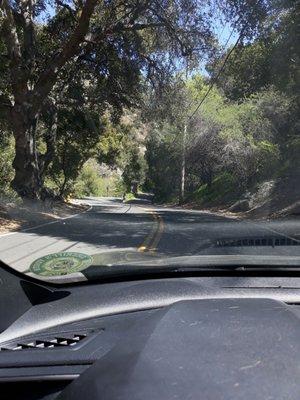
264 212
273 199
14 217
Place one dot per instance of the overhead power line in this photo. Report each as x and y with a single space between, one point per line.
215 79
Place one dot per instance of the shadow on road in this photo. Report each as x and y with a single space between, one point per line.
108 230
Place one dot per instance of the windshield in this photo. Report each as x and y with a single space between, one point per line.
143 134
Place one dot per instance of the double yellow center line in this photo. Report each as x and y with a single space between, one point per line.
152 240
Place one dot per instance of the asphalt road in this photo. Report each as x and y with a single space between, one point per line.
112 231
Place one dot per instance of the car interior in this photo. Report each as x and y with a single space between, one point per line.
222 335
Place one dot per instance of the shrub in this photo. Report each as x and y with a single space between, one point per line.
268 159
91 183
6 169
222 189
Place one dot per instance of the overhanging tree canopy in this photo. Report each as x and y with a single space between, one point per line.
112 43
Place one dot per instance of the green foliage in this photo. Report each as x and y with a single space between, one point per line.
78 135
110 146
134 170
246 140
293 150
6 169
129 196
84 135
247 71
223 188
122 146
272 59
88 57
90 183
163 160
247 130
268 159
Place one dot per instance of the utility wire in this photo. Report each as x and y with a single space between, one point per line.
183 160
224 46
215 79
229 37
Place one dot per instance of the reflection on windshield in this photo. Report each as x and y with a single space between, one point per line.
138 134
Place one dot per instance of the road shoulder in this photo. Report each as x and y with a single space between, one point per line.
16 217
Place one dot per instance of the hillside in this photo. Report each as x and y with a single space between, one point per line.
270 199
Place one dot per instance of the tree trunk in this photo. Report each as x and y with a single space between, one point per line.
28 99
50 140
183 165
27 180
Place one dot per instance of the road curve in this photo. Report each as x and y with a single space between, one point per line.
111 228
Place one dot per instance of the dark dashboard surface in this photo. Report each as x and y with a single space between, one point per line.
217 337
201 349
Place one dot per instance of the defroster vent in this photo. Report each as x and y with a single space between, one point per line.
45 343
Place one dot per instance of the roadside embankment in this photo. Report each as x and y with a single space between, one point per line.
277 198
15 215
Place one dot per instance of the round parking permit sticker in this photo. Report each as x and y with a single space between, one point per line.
60 264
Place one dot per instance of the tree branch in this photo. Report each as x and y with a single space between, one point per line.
67 7
14 50
50 137
136 27
172 31
71 48
27 7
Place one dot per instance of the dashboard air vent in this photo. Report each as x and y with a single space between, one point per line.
258 241
45 343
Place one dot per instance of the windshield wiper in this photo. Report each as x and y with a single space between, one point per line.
194 263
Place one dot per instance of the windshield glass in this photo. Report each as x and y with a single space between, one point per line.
143 134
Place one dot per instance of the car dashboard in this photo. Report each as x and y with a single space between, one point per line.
195 337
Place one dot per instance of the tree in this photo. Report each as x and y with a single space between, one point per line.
163 161
78 135
247 71
134 171
114 42
6 170
273 58
228 143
